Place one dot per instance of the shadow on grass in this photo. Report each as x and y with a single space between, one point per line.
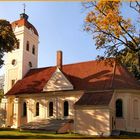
8 133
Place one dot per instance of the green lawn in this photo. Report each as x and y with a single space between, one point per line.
16 134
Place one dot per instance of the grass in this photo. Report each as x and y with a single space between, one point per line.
16 134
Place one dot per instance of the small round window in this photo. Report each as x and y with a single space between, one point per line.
14 62
30 64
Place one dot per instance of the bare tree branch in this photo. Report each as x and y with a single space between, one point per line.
136 7
127 33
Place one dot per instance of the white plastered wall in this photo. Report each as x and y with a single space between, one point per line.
92 121
128 122
57 99
21 55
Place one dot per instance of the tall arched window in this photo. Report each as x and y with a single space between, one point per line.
27 46
66 108
119 108
135 109
33 49
37 109
24 109
51 109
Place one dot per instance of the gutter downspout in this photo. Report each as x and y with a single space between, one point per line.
112 86
113 77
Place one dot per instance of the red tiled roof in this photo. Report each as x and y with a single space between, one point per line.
91 75
33 82
95 98
24 22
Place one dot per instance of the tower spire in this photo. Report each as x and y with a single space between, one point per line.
23 15
24 6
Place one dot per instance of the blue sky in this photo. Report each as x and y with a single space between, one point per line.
60 27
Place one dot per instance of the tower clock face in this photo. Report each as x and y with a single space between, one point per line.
14 62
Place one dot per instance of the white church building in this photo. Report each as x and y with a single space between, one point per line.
86 97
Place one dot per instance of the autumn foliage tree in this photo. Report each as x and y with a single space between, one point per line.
113 32
8 40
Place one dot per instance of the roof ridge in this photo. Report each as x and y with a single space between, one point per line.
75 63
62 65
96 60
42 68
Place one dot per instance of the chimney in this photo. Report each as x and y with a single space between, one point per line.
59 59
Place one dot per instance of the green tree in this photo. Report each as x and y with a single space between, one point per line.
8 40
1 94
130 59
114 33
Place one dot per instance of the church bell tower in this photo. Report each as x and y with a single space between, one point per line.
25 56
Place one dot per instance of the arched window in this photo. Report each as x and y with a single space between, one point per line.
24 109
30 64
27 46
135 109
119 108
66 108
51 109
18 44
37 109
33 49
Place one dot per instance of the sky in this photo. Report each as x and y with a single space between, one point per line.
60 27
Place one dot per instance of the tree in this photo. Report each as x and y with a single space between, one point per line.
1 94
114 33
130 60
7 39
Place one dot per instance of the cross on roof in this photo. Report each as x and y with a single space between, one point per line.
24 6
